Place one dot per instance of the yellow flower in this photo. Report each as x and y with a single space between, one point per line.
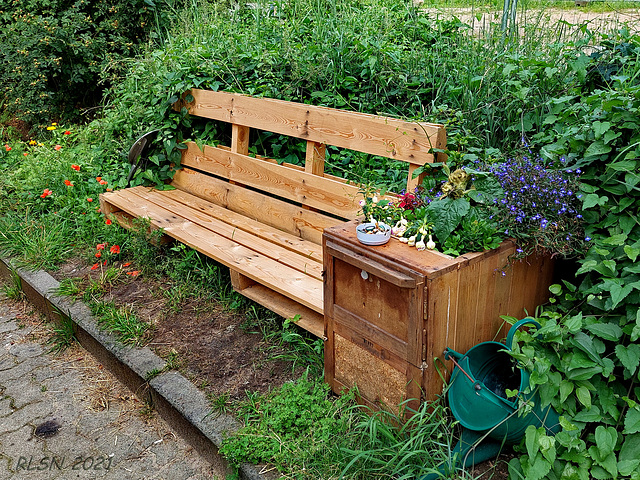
51 128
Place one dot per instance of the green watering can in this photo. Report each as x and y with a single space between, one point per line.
478 400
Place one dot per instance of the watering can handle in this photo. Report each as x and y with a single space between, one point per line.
516 326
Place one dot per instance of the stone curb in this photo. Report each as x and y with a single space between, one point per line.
175 398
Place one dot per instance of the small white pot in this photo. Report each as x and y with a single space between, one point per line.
367 237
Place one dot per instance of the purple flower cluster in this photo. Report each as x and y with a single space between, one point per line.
540 206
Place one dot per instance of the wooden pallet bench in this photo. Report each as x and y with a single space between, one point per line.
262 219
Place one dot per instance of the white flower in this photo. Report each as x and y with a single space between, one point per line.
374 199
412 241
431 244
420 245
362 203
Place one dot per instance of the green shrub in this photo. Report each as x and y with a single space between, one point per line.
57 56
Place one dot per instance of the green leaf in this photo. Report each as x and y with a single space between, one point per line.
566 388
606 439
599 128
617 239
619 293
631 252
629 356
584 396
632 421
629 457
447 214
597 148
608 331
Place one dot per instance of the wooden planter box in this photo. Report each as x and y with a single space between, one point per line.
391 310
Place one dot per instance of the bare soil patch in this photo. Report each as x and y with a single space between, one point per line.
211 344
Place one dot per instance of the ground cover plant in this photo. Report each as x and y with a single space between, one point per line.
571 94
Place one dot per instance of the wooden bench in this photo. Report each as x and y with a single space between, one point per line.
262 219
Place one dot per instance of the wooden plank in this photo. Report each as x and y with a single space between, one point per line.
314 158
291 242
283 279
310 320
240 139
388 137
335 198
291 258
276 213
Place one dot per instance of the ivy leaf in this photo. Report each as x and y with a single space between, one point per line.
629 356
606 439
632 421
608 331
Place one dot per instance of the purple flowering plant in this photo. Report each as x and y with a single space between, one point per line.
540 206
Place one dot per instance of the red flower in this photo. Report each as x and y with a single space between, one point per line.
108 222
46 193
104 263
25 154
102 182
98 254
134 273
115 249
7 148
98 179
89 199
101 246
57 147
95 266
67 132
68 183
76 167
126 264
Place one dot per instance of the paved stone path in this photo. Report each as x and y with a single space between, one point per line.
64 417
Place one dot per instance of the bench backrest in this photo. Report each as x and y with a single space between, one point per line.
322 200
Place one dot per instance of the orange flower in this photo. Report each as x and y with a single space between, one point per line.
109 189
115 249
46 193
57 147
126 264
108 222
98 254
104 263
103 182
68 183
25 154
95 266
76 167
98 179
67 132
89 199
135 273
7 148
101 246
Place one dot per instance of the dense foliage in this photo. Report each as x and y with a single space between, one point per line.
59 56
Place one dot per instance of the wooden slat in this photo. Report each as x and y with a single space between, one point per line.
276 213
326 195
376 135
314 158
302 263
305 248
283 279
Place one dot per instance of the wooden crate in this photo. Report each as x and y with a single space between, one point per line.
391 310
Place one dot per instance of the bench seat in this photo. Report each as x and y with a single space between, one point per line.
280 261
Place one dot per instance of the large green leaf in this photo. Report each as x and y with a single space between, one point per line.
632 421
608 331
447 214
629 356
629 458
